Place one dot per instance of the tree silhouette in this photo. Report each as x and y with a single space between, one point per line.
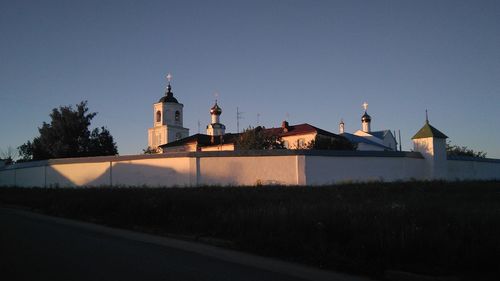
258 138
68 135
455 150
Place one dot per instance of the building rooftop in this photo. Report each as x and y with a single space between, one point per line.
358 139
427 131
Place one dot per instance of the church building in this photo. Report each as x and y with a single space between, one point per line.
167 120
366 139
169 135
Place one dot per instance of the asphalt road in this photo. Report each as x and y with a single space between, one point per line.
37 249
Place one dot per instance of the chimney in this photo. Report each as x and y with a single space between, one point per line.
284 126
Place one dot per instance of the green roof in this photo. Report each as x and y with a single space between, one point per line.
428 131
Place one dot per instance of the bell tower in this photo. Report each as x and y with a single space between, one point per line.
167 120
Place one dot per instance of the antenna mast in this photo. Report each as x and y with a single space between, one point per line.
239 115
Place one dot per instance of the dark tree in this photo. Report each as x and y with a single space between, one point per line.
259 138
455 150
149 150
322 143
68 135
7 155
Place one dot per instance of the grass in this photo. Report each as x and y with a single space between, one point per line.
432 228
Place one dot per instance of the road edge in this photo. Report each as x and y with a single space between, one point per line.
265 263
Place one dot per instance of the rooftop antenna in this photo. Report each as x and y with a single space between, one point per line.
199 125
239 116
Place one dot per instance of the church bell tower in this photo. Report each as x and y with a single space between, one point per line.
167 120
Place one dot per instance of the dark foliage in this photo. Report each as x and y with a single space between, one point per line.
322 143
433 228
149 150
259 138
68 135
455 150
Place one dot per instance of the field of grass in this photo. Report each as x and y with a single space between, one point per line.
432 228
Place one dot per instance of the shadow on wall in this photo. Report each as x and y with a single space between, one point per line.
116 174
124 174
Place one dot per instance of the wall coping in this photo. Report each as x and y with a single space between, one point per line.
203 154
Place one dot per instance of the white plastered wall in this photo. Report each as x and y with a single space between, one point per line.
30 177
79 174
248 170
328 170
152 172
473 170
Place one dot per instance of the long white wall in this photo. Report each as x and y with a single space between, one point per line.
473 169
329 170
286 167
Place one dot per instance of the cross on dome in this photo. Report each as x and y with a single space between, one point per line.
365 105
169 77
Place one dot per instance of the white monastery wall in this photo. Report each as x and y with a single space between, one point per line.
78 174
7 177
473 170
152 172
33 176
328 170
286 167
248 170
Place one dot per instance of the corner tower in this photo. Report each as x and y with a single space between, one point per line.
167 120
431 143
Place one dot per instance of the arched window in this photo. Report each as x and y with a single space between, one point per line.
177 116
158 116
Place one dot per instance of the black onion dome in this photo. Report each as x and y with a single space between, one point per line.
216 109
366 118
169 96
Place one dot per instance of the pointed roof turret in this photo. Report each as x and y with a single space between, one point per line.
428 131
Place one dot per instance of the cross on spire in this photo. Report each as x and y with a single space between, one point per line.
169 77
365 105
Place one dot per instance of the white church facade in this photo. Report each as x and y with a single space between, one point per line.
167 120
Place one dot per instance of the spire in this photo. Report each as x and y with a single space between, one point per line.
169 95
169 88
365 119
428 131
341 126
215 110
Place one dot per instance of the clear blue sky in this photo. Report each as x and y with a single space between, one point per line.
305 61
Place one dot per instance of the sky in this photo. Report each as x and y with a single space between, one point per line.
311 62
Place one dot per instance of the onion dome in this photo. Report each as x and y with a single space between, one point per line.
215 109
366 118
169 96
